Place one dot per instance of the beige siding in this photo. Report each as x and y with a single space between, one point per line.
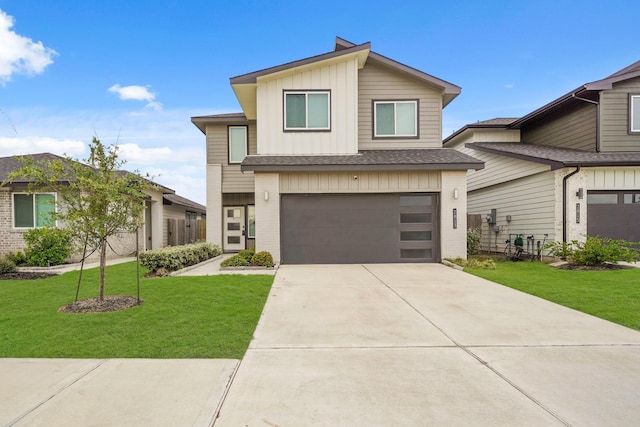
575 130
233 180
268 214
366 182
613 178
614 120
341 78
530 201
377 82
453 241
499 169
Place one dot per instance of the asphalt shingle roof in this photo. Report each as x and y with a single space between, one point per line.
416 159
558 157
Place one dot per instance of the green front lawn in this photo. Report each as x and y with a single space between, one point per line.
612 295
181 317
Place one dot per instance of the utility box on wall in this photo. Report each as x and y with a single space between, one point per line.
492 217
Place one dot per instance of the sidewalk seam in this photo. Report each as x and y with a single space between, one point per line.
470 353
55 393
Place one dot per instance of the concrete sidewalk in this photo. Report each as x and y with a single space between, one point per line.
114 392
407 345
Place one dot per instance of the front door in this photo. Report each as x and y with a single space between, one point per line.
234 231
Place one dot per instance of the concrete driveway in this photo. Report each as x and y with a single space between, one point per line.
395 345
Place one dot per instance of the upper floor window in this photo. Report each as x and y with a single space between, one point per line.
33 210
238 143
307 110
395 119
634 113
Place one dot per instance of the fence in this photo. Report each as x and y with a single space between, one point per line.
183 231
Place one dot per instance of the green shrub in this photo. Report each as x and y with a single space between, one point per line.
247 254
18 258
561 249
483 263
473 240
262 259
235 261
173 258
7 266
595 251
47 246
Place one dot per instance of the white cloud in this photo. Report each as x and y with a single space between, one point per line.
137 93
510 85
11 146
19 54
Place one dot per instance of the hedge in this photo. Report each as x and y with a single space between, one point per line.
173 258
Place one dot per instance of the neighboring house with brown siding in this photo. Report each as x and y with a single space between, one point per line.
568 169
19 212
337 158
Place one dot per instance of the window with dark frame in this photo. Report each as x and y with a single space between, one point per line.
307 110
395 119
33 210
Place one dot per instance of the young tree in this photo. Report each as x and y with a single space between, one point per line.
97 201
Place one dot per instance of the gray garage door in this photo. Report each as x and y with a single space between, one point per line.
359 228
614 214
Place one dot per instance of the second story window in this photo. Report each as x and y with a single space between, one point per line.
238 144
634 113
306 110
395 119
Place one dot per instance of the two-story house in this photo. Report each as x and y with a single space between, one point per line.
569 169
337 158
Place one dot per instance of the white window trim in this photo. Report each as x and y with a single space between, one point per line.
633 127
13 209
395 102
306 105
246 143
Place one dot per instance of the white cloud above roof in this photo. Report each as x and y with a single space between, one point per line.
137 93
20 54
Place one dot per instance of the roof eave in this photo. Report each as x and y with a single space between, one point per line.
329 168
554 164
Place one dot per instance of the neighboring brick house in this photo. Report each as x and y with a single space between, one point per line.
20 212
337 158
568 169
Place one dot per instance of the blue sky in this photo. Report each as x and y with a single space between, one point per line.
133 72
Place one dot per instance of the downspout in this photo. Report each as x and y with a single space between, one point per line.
564 202
597 118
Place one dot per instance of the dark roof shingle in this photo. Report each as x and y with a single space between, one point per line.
413 159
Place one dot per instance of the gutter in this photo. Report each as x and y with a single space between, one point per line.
564 202
597 118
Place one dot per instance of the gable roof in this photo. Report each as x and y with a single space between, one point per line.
410 159
496 123
228 118
585 91
449 90
175 200
557 157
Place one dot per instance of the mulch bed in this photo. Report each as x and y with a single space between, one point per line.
94 305
601 267
26 275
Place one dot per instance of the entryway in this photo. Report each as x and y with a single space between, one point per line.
234 228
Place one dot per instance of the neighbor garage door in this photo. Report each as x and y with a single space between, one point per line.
359 228
614 214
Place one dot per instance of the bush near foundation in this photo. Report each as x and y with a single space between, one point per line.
248 258
7 266
596 251
47 246
173 258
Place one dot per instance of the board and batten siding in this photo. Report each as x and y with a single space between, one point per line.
233 180
613 178
614 117
576 130
530 201
377 82
360 182
341 78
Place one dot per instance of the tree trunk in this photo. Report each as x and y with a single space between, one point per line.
103 265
